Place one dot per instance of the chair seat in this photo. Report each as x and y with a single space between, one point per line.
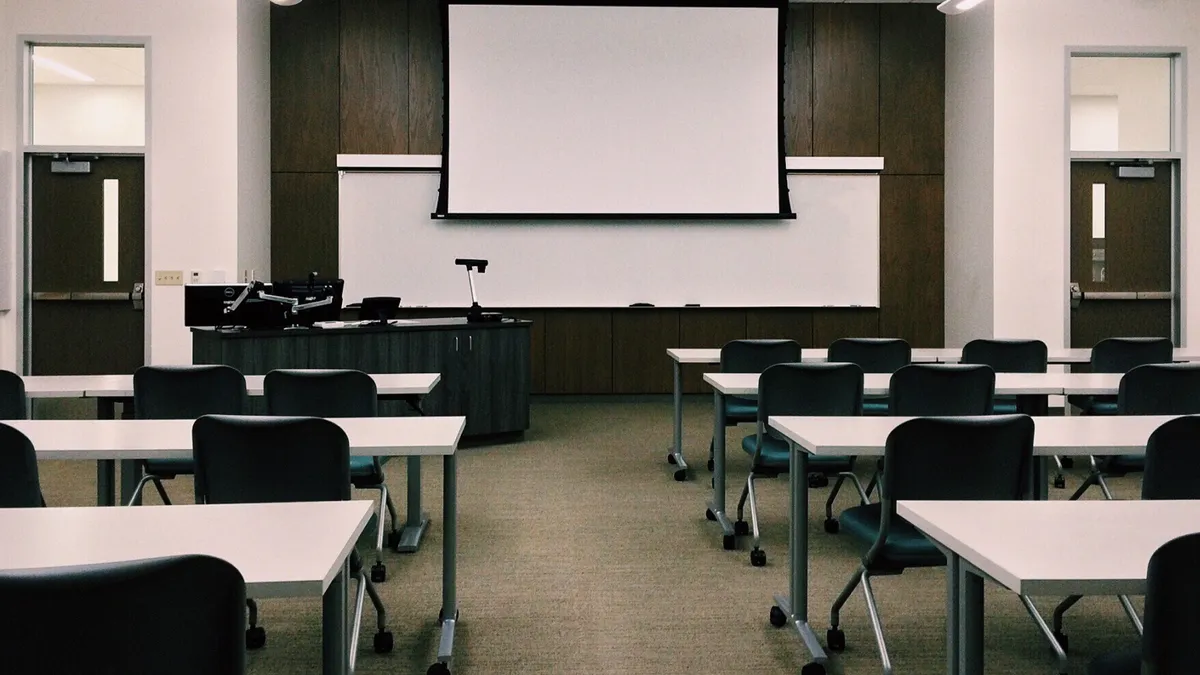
1117 663
1004 405
875 406
169 468
1094 405
364 472
1120 465
739 409
905 546
775 457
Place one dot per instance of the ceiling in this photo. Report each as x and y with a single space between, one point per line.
124 66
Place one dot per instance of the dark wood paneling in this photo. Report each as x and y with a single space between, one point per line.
579 351
793 324
304 86
425 90
911 247
703 328
537 346
831 324
641 338
912 89
304 213
798 82
374 77
1096 320
845 80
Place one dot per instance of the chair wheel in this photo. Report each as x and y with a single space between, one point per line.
758 558
728 542
1068 462
1060 482
712 482
835 639
741 528
256 637
378 573
383 642
438 668
1063 642
670 458
778 618
818 480
832 526
680 475
710 515
710 465
813 669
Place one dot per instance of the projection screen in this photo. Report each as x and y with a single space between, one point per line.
564 111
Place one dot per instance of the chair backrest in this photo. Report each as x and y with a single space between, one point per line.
1121 355
320 393
243 459
1173 461
1160 389
1007 356
941 389
810 389
755 356
13 405
873 355
1172 615
183 615
19 485
941 458
187 392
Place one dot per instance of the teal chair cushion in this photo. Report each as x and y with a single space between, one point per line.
905 547
1005 405
775 456
740 409
169 468
364 473
1094 405
875 406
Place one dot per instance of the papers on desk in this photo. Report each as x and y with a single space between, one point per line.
355 324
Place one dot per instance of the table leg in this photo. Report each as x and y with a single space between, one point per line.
335 643
1041 478
448 616
106 473
716 506
417 521
676 455
793 607
969 643
953 564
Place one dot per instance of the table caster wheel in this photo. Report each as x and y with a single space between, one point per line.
835 639
710 465
741 528
383 642
1060 482
728 542
832 526
758 558
1068 462
778 618
1063 642
818 480
670 458
256 637
813 669
438 668
710 515
680 475
378 573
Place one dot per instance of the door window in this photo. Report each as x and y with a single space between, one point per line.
1121 104
88 96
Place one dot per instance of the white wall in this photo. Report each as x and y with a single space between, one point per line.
194 180
1142 88
65 114
8 357
254 139
970 118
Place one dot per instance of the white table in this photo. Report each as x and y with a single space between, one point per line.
108 390
108 440
1041 548
867 436
258 539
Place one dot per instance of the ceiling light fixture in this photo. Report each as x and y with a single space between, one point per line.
958 6
286 3
64 70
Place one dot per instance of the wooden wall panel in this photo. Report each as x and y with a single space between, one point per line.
579 351
912 89
707 328
911 247
425 90
845 80
831 324
304 211
641 338
374 77
798 82
792 324
537 346
304 86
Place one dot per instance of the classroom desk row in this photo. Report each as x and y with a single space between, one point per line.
1043 548
258 539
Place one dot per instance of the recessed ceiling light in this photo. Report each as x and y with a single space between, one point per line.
286 3
958 6
67 71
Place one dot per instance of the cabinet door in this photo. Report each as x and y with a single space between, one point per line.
497 379
434 351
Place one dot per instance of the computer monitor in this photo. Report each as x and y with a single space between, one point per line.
378 309
206 304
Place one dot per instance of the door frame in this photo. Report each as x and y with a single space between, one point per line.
1176 157
26 150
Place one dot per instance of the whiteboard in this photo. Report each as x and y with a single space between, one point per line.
829 256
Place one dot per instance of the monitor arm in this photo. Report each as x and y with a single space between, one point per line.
255 288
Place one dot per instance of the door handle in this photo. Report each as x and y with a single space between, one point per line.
83 296
138 296
1076 296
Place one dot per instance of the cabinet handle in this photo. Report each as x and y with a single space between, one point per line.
470 343
455 343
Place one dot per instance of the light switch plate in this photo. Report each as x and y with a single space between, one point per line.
168 277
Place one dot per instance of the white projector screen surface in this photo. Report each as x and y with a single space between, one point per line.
590 110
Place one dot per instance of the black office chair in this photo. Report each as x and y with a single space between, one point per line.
338 393
182 615
750 356
19 484
1121 355
873 355
1172 464
984 458
182 392
13 404
245 459
1172 616
796 389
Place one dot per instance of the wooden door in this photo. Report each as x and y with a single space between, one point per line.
85 317
1121 256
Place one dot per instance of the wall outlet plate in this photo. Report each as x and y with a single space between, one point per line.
168 277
